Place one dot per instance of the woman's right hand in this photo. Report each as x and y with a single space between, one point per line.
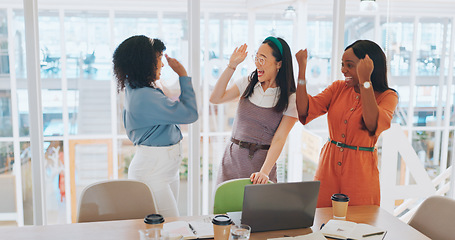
302 57
176 66
238 56
259 178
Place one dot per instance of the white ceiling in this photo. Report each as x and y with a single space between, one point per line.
395 7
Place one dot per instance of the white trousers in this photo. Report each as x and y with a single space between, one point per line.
158 167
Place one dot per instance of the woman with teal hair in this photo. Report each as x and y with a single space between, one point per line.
265 115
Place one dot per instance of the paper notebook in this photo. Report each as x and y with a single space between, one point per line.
339 229
310 236
200 229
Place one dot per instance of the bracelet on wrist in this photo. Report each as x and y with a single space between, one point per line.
231 67
266 175
301 82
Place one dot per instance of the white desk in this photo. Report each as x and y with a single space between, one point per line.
128 229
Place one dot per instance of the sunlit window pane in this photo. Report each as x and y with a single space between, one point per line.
4 57
357 27
431 42
6 157
87 45
50 53
319 52
397 36
27 191
6 129
19 37
54 182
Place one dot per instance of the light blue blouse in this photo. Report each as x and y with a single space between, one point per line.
151 118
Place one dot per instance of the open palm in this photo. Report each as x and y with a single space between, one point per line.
238 55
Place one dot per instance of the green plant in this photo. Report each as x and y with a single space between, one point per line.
126 162
184 169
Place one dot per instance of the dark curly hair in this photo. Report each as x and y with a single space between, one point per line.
135 61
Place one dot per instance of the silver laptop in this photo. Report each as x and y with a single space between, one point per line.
279 206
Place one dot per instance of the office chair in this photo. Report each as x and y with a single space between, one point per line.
115 200
89 60
435 218
229 195
49 63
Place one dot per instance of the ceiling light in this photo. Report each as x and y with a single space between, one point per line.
368 5
289 12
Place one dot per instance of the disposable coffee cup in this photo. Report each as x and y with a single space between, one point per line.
340 205
221 227
154 221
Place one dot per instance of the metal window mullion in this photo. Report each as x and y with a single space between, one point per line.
295 160
17 167
377 30
35 109
412 90
7 139
451 192
217 119
65 114
194 196
448 112
160 24
338 28
205 117
222 107
113 87
441 145
251 41
412 80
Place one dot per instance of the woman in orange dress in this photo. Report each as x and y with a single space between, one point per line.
358 109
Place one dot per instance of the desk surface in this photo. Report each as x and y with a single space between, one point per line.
128 229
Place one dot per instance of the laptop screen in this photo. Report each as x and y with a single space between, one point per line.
280 206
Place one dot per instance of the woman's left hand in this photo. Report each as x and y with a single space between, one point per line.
259 178
364 69
176 66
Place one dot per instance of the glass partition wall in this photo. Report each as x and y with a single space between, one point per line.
85 141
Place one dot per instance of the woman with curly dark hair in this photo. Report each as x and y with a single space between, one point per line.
151 119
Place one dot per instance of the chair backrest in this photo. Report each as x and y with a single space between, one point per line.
229 196
435 218
115 200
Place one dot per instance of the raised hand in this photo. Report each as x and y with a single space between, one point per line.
364 69
176 66
238 56
302 57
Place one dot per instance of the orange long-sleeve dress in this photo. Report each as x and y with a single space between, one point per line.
343 170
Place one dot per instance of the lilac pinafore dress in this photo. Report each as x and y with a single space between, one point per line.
252 124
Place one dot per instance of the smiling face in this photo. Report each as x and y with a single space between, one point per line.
349 68
159 64
266 65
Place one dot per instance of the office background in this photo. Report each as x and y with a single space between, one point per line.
83 137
